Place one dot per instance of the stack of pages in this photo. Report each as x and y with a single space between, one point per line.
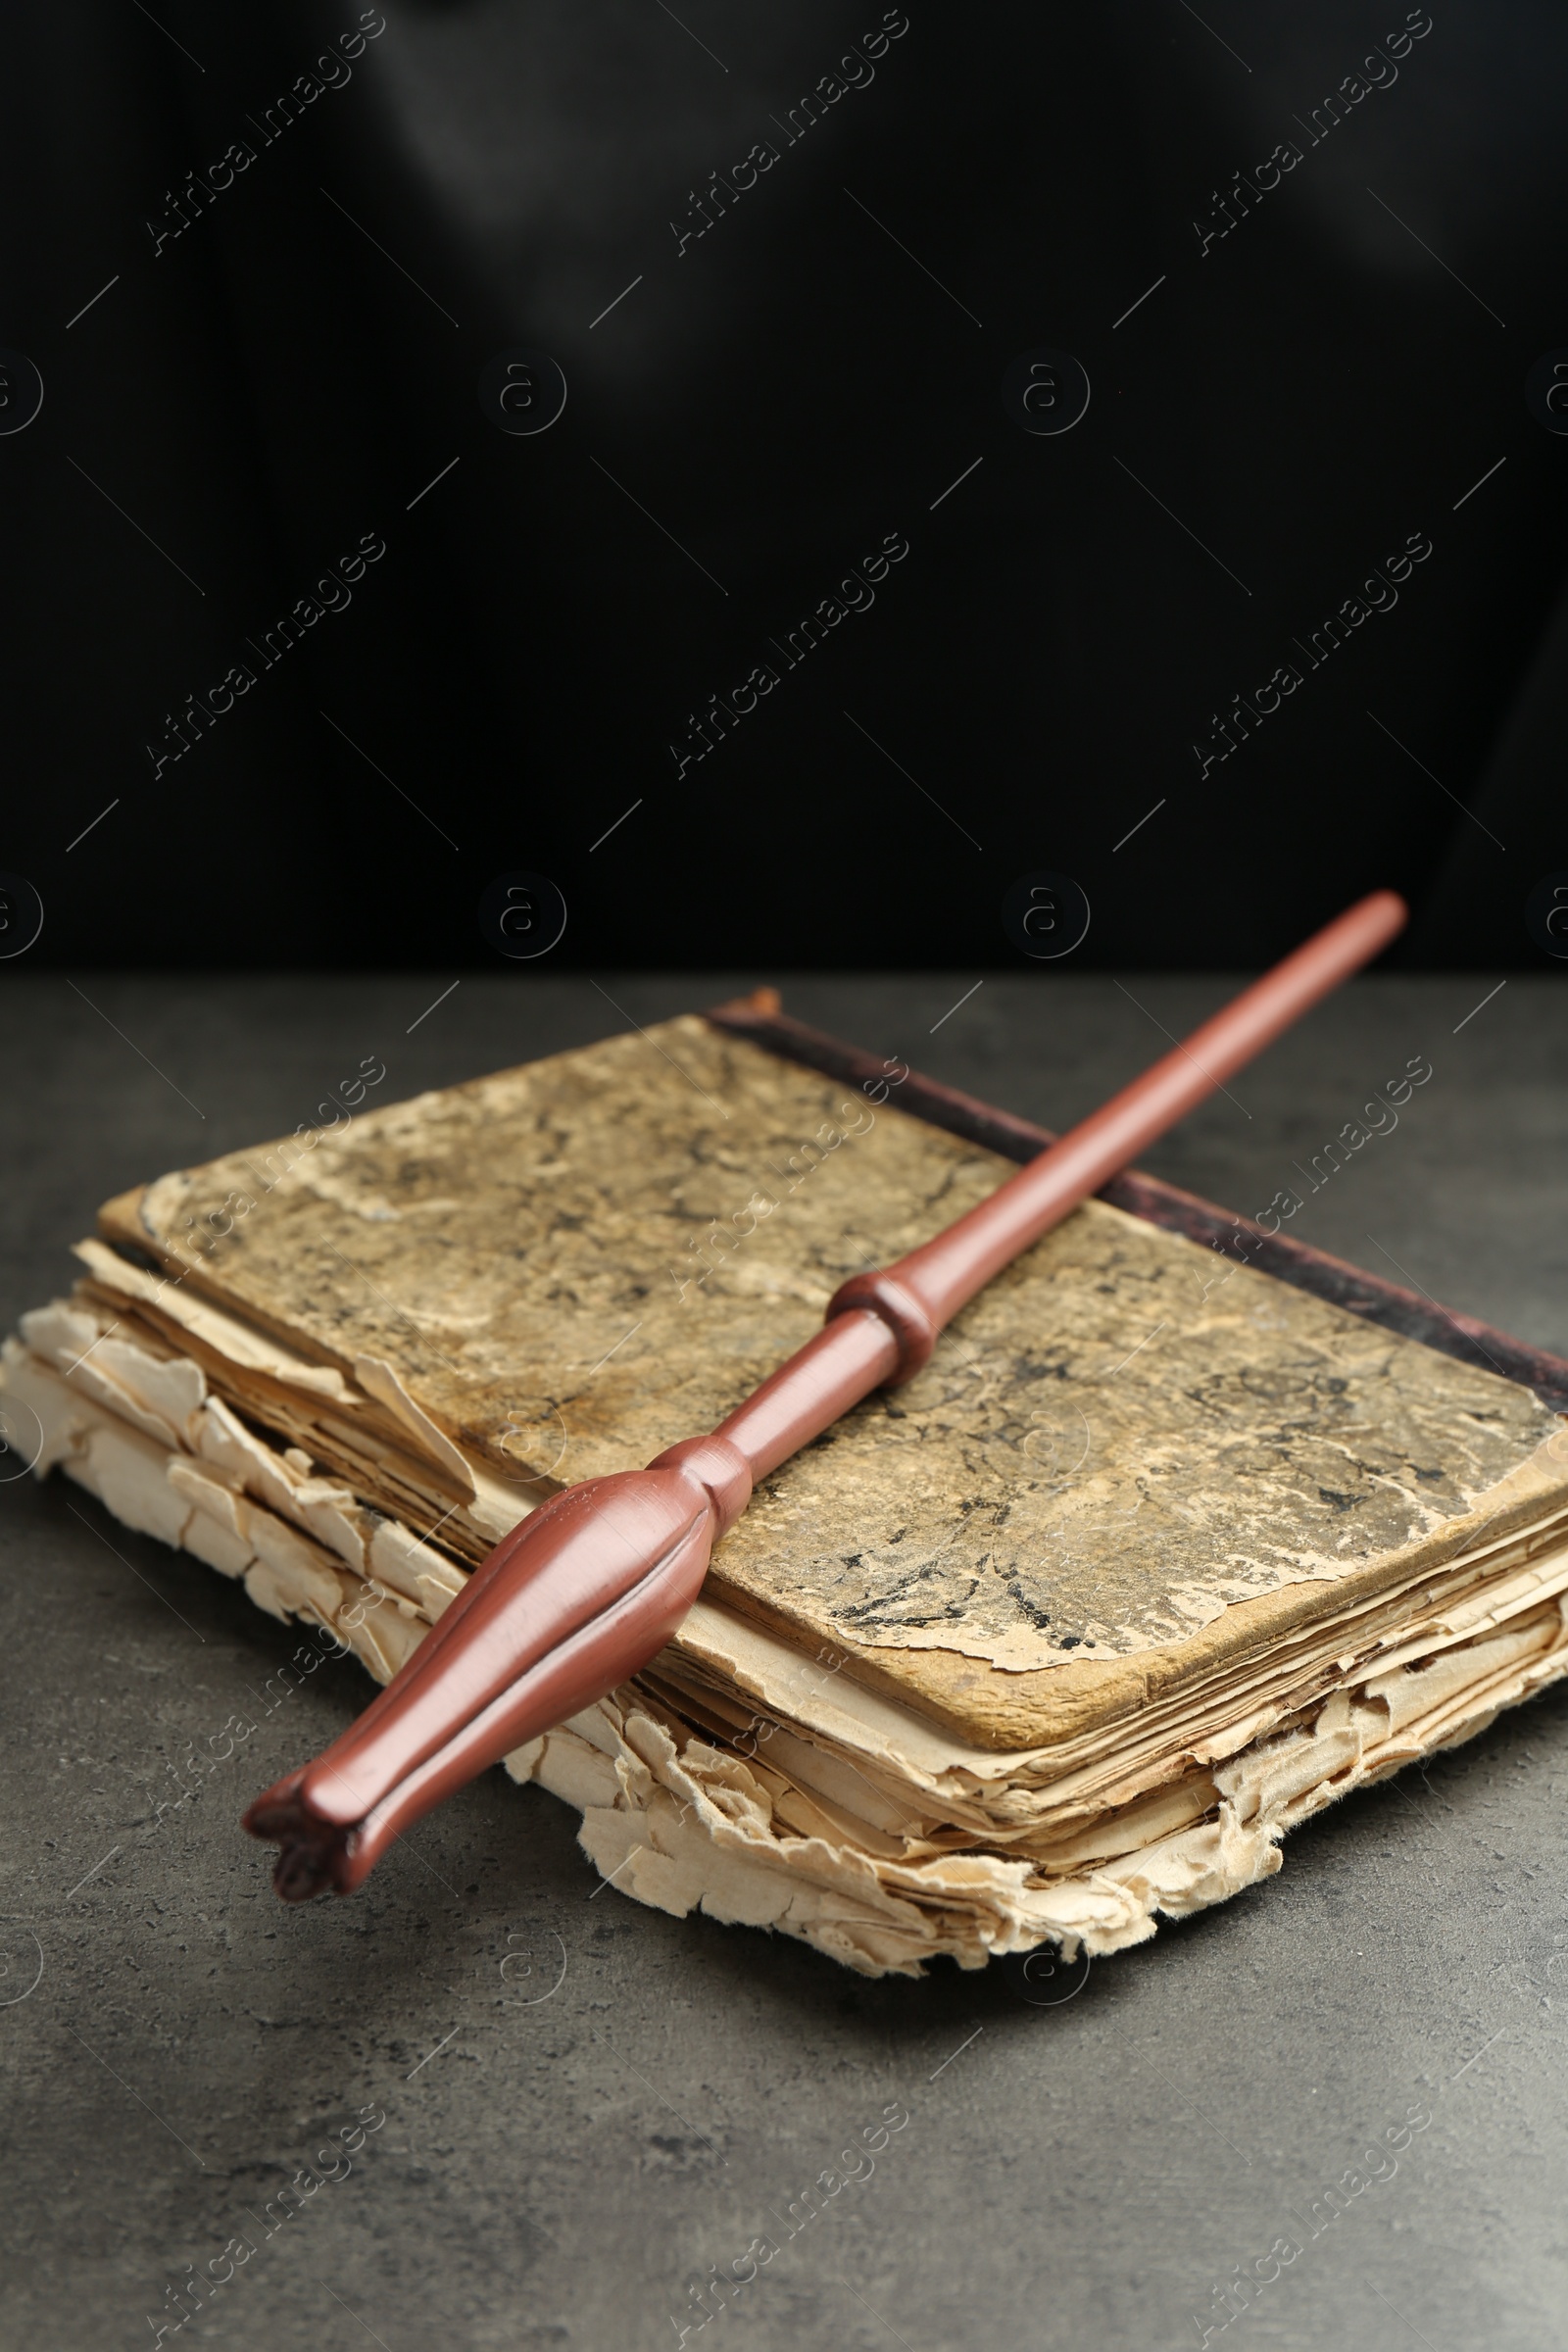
1159 1555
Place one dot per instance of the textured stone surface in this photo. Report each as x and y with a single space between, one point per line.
552 2176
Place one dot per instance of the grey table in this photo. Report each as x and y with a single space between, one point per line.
586 2104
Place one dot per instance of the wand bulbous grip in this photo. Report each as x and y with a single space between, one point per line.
574 1602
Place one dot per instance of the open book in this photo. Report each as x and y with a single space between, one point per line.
1185 1530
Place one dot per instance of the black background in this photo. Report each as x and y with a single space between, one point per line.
271 386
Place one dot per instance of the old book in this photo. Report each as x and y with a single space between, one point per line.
1185 1530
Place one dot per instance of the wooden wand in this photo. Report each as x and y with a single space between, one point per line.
592 1585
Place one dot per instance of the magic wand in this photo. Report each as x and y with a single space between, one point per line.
591 1585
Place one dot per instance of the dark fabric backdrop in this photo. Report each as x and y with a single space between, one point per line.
262 390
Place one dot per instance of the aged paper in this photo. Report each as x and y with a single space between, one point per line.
767 1789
